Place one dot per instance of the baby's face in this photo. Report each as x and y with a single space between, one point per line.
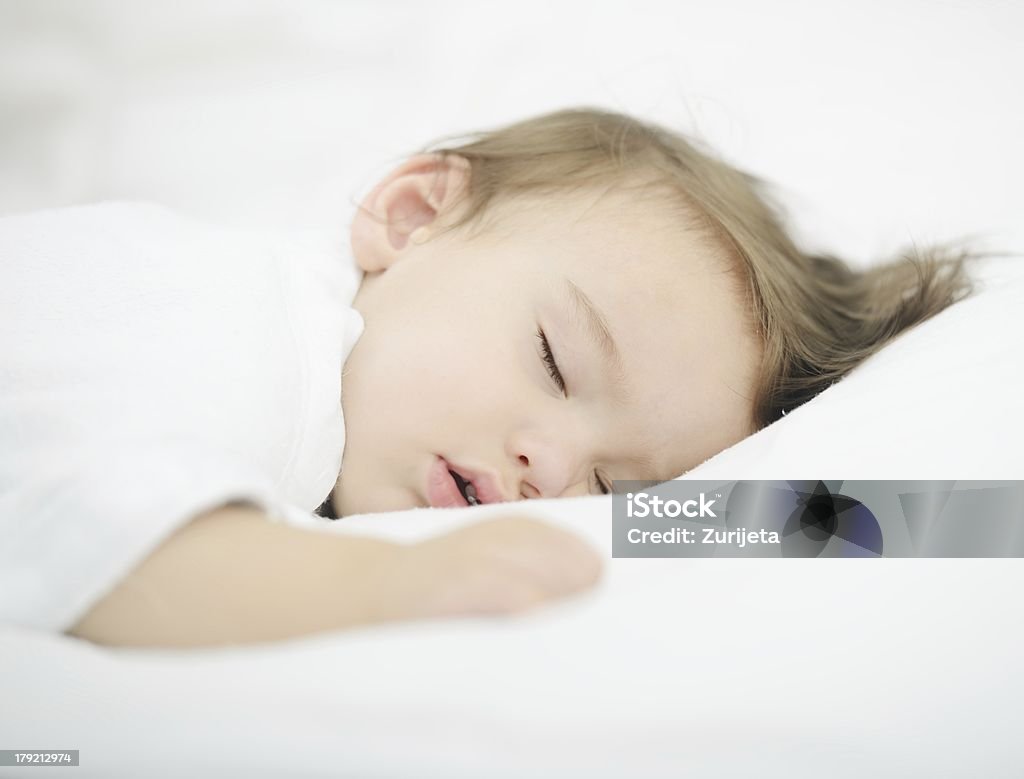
451 364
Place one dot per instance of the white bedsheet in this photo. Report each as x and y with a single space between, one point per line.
705 668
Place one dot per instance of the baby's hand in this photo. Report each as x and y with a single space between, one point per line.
499 566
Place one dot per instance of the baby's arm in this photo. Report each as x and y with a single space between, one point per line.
232 576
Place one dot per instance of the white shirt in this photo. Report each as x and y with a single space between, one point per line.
153 367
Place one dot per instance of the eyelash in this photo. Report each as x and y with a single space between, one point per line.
549 360
556 375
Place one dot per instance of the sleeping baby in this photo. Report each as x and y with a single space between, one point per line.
572 300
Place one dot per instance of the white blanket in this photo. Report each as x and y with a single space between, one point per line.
672 668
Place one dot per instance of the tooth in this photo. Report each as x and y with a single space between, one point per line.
470 490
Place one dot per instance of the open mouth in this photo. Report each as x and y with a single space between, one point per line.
466 488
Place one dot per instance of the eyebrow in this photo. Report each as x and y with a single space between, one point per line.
595 328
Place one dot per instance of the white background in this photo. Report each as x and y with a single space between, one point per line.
881 123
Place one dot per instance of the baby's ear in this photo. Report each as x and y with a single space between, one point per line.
402 209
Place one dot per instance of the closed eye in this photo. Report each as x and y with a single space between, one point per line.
552 368
549 360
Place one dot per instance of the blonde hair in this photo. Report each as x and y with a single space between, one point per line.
817 318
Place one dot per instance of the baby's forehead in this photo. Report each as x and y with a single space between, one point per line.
636 232
625 202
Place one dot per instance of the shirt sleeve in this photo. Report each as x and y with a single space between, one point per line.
151 369
69 536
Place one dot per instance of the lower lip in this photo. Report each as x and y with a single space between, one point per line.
442 491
